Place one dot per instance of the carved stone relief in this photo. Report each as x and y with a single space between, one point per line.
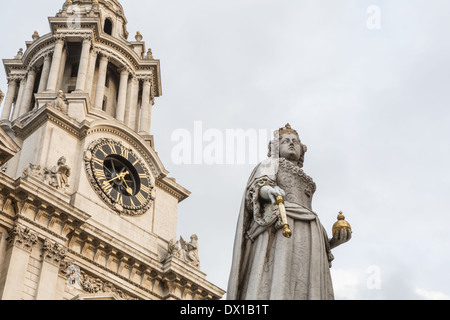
53 252
77 278
22 237
56 177
186 251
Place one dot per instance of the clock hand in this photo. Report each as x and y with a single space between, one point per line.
129 190
119 176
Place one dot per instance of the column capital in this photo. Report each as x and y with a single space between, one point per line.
53 252
32 69
144 79
86 38
48 55
124 70
22 237
60 37
14 78
103 55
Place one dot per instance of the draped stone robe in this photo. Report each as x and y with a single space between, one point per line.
268 266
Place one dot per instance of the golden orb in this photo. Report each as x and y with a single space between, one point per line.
341 224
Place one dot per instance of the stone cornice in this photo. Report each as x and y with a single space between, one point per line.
26 125
8 148
170 186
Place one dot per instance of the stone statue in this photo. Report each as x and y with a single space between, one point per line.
58 176
32 171
174 248
60 103
189 251
2 95
186 251
269 264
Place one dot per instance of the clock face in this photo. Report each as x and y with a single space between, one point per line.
120 177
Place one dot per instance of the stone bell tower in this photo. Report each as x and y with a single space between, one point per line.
87 209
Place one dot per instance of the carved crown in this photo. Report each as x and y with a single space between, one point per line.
287 129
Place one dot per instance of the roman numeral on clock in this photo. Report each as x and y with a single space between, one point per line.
107 187
145 189
140 197
119 198
99 173
124 153
97 161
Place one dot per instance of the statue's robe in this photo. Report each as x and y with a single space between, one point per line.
268 266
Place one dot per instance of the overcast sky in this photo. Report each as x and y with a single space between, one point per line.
368 91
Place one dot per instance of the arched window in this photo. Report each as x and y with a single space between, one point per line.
108 26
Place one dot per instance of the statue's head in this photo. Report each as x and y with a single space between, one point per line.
288 144
62 161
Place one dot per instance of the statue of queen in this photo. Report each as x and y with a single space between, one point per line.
268 262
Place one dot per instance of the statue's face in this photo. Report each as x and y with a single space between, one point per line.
290 147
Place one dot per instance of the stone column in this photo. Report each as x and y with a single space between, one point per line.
122 98
146 107
131 104
103 68
91 73
7 107
84 64
62 69
28 92
21 241
53 254
56 65
19 97
45 73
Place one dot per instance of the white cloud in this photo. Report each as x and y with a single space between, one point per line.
431 295
347 283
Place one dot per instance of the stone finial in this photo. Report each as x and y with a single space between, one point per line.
35 36
139 36
150 54
95 4
19 54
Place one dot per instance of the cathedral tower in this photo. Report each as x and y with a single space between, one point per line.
87 210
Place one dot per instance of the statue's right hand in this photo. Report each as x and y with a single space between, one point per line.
271 193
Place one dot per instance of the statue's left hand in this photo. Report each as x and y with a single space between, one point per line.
340 237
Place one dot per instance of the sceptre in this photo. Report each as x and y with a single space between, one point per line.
286 230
